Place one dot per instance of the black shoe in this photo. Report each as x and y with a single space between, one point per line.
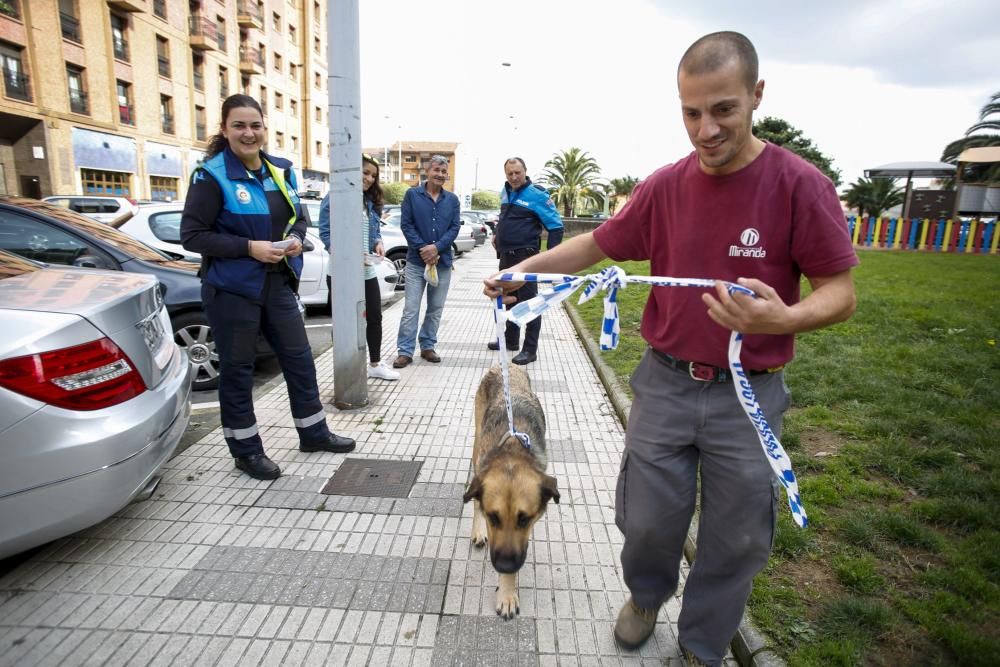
493 345
524 357
333 443
258 466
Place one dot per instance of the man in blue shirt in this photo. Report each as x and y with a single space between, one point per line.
525 211
430 224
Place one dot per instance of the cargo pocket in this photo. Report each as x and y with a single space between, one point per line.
621 493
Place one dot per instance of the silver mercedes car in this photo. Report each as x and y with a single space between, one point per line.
94 397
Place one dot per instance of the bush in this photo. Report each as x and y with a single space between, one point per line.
393 192
485 200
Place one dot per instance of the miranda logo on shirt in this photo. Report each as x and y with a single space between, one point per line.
748 248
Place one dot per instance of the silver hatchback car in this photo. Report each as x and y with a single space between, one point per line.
94 397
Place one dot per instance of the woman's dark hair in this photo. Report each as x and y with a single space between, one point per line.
219 142
374 193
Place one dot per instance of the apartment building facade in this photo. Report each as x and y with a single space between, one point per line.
407 161
122 96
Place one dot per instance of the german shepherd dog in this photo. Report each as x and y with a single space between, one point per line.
509 484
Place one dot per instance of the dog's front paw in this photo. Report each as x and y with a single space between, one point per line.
479 540
508 605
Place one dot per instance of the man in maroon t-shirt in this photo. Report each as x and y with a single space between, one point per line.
736 209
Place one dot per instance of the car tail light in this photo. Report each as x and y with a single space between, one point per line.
91 376
131 201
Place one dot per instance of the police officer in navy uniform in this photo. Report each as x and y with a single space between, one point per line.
525 210
242 214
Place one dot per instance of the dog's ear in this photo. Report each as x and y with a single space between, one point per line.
475 490
549 490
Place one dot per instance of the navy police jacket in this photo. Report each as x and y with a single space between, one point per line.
523 215
219 221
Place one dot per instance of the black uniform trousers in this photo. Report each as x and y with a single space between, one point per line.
512 333
236 323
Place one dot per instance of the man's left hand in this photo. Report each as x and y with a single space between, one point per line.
766 313
429 253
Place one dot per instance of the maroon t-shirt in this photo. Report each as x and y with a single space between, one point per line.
775 220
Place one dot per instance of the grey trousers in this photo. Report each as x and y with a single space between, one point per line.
677 423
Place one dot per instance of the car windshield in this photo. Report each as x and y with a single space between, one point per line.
120 240
12 265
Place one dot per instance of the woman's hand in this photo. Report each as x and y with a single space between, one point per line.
379 249
295 249
264 252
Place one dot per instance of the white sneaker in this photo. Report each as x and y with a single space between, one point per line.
382 372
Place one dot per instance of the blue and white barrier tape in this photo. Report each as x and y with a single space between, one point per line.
611 280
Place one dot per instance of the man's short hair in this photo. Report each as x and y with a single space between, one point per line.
438 159
713 51
516 159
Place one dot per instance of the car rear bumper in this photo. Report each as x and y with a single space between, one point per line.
123 450
465 245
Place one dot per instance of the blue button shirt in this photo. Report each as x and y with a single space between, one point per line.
426 221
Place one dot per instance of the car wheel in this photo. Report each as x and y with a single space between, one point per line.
398 260
193 335
455 250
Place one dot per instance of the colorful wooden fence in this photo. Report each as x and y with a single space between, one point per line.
923 234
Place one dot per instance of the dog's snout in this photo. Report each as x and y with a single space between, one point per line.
507 562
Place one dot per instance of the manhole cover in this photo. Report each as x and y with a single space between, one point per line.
375 478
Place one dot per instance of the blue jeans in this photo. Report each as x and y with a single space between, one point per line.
415 285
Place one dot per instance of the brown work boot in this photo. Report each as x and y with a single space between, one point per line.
402 361
430 355
634 625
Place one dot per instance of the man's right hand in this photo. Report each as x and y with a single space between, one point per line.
494 287
264 252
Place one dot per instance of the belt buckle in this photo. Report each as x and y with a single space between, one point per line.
701 372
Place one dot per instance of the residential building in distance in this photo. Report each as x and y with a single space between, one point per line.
121 96
414 157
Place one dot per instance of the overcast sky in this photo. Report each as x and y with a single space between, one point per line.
868 82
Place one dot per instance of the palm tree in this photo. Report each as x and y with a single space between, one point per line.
621 187
875 196
573 177
989 119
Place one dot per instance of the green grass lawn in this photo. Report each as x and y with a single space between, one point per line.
894 434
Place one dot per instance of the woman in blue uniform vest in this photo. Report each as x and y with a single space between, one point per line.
242 214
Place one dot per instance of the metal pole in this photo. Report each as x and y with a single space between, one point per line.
350 378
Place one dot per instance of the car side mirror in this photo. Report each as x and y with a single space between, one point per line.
308 246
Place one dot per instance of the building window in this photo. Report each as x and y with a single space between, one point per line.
276 22
167 114
279 140
293 35
293 108
263 98
160 9
163 56
198 71
10 8
295 144
319 148
245 85
200 124
77 90
96 182
223 82
278 64
126 111
279 101
162 188
410 177
410 158
293 71
119 43
69 20
319 114
317 45
318 80
220 35
15 81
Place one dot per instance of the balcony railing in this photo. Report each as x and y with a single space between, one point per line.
248 11
203 32
167 123
16 85
126 114
163 64
251 59
70 26
78 102
10 8
120 47
199 81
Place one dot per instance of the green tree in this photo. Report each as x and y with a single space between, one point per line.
393 192
621 187
485 200
989 119
573 179
782 133
874 196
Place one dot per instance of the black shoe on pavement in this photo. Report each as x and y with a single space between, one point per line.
258 466
493 345
524 357
337 444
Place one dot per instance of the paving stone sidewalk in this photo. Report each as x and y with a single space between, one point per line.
220 569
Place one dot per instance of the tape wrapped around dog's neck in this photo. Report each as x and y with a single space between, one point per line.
613 278
500 319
